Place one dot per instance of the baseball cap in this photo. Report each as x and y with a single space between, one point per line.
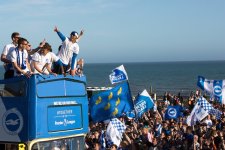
74 33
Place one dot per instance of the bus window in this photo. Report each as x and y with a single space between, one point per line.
61 88
14 89
74 143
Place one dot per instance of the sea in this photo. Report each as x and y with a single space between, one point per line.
155 77
158 77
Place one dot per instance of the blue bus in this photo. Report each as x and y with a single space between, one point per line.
43 113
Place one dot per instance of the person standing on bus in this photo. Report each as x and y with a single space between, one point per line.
9 72
19 59
69 50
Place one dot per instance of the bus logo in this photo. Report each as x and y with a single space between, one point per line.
12 121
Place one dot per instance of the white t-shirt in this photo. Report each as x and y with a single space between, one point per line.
53 56
8 49
23 57
41 60
66 52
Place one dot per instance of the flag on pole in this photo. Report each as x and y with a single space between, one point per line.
118 74
143 103
115 131
111 103
214 87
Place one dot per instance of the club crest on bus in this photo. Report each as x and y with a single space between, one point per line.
13 121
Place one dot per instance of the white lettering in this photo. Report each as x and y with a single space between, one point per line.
140 106
64 102
64 112
119 77
58 123
65 122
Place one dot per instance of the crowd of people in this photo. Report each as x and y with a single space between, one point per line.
153 132
21 60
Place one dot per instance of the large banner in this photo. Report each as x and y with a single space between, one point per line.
111 103
214 87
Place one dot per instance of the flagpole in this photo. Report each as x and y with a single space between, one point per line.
131 98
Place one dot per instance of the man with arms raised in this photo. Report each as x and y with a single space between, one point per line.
69 50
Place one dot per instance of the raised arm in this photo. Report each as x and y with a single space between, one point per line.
38 48
61 36
80 35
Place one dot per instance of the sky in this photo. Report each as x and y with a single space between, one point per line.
117 31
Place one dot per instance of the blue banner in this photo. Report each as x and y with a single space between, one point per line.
111 103
214 87
173 112
143 103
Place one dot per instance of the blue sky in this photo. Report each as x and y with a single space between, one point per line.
123 30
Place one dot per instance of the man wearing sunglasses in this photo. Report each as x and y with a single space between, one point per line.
6 50
19 59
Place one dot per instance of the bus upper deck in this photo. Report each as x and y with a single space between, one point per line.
43 111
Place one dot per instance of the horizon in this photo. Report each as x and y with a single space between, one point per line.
182 61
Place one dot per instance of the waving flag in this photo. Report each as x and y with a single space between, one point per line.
197 114
214 87
143 103
111 103
118 74
173 112
115 131
209 108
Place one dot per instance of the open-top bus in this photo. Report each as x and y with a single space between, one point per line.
43 113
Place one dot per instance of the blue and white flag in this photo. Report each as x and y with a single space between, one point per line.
173 112
115 131
214 87
131 114
118 74
111 103
143 103
197 114
209 108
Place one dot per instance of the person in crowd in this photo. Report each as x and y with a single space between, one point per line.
19 59
79 67
43 58
9 71
68 51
